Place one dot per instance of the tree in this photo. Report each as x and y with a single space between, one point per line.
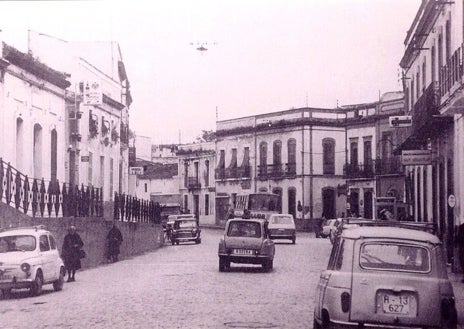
206 136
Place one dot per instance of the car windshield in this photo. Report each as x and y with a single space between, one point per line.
185 224
394 257
244 229
281 220
17 243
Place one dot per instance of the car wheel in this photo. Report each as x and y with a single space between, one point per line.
224 264
293 240
316 325
173 242
36 288
58 284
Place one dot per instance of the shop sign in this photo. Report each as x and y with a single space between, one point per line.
136 171
416 157
93 94
85 158
400 121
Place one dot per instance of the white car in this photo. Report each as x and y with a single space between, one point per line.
329 227
282 226
29 258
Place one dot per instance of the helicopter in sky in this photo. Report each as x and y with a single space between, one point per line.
202 46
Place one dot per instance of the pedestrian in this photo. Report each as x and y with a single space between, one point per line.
115 239
71 252
460 244
246 214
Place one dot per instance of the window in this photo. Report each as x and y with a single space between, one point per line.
440 52
52 242
233 160
277 152
412 93
424 78
418 83
394 257
367 153
43 243
222 161
328 156
263 159
186 203
90 170
206 172
146 187
244 229
354 153
291 149
53 155
433 64
185 174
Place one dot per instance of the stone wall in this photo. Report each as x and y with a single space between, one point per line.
138 238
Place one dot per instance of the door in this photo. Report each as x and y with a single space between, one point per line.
292 201
196 206
368 204
328 203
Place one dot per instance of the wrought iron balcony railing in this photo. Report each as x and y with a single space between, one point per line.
451 74
193 183
360 170
425 107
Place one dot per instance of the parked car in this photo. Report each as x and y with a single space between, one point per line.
390 275
184 228
246 241
282 226
29 258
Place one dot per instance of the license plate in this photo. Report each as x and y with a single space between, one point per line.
394 304
243 252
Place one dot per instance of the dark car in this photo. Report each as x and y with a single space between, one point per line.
185 229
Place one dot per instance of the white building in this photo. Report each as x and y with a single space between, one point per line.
97 110
433 78
196 179
32 115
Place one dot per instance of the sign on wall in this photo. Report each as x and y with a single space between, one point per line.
136 171
400 121
93 94
416 157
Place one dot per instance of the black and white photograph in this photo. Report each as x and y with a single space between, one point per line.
219 164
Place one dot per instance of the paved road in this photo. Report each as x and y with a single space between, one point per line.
181 287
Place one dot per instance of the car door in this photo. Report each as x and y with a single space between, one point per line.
47 257
389 291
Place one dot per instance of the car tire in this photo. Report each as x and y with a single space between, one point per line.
58 284
173 242
268 265
224 264
293 240
36 287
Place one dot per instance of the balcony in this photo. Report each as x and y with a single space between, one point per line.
360 170
193 183
425 108
451 74
277 171
243 172
388 166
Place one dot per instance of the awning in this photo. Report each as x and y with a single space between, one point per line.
432 129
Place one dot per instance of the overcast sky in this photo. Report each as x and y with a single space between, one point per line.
263 55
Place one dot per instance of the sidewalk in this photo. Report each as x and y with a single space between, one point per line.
458 288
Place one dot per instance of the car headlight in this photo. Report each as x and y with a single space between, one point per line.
26 268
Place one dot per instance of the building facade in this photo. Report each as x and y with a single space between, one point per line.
97 110
433 77
196 180
32 115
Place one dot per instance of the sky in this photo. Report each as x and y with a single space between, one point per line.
263 55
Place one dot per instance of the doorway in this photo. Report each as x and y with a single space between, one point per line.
328 202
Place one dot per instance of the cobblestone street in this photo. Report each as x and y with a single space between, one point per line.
181 287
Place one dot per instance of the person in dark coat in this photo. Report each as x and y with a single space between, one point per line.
114 238
71 252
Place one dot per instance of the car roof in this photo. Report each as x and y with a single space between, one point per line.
281 215
260 220
389 233
30 230
181 216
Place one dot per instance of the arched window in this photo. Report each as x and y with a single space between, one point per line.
262 159
277 152
328 156
19 143
291 156
37 151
